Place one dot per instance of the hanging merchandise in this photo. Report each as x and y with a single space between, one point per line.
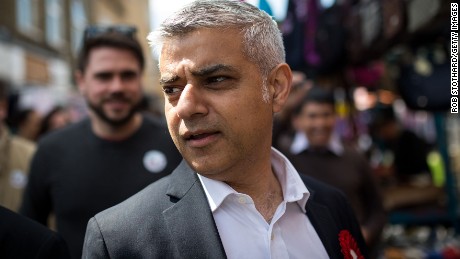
330 38
365 27
368 75
311 55
371 25
374 26
293 28
394 20
345 126
314 37
424 84
423 12
436 164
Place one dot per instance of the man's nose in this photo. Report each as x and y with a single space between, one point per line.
116 84
191 103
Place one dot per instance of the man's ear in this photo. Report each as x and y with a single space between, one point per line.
280 81
3 110
79 79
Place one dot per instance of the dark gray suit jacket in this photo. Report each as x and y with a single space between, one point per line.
171 218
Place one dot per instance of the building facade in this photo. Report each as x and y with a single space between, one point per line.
39 41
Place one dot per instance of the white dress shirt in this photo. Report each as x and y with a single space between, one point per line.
245 233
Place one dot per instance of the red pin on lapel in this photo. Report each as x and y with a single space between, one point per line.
349 246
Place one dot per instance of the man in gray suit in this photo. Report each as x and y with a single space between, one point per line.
224 76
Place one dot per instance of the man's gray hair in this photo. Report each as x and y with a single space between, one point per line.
262 40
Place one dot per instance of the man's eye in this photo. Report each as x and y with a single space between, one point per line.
104 76
312 116
128 75
171 90
216 79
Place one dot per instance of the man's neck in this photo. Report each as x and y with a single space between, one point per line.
109 132
264 189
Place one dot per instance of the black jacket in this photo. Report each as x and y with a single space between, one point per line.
21 237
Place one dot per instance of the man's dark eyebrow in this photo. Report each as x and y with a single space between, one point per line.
104 72
212 69
199 73
110 72
168 80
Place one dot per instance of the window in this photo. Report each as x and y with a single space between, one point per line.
78 24
54 22
27 17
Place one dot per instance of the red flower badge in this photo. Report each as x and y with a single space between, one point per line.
349 247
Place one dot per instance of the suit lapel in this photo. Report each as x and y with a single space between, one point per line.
325 226
190 221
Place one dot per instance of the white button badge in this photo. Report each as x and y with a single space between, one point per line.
155 161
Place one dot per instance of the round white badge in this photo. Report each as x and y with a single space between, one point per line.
18 179
155 161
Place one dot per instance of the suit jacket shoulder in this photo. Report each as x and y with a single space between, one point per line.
170 218
119 231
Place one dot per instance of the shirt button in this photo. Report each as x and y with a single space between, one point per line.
241 200
273 236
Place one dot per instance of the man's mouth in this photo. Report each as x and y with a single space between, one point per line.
117 100
199 136
200 139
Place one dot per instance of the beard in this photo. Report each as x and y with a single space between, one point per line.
119 122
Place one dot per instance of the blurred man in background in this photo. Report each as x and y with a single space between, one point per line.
98 162
403 170
15 156
58 117
318 152
26 124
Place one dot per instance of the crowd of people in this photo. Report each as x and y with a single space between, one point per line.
242 166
